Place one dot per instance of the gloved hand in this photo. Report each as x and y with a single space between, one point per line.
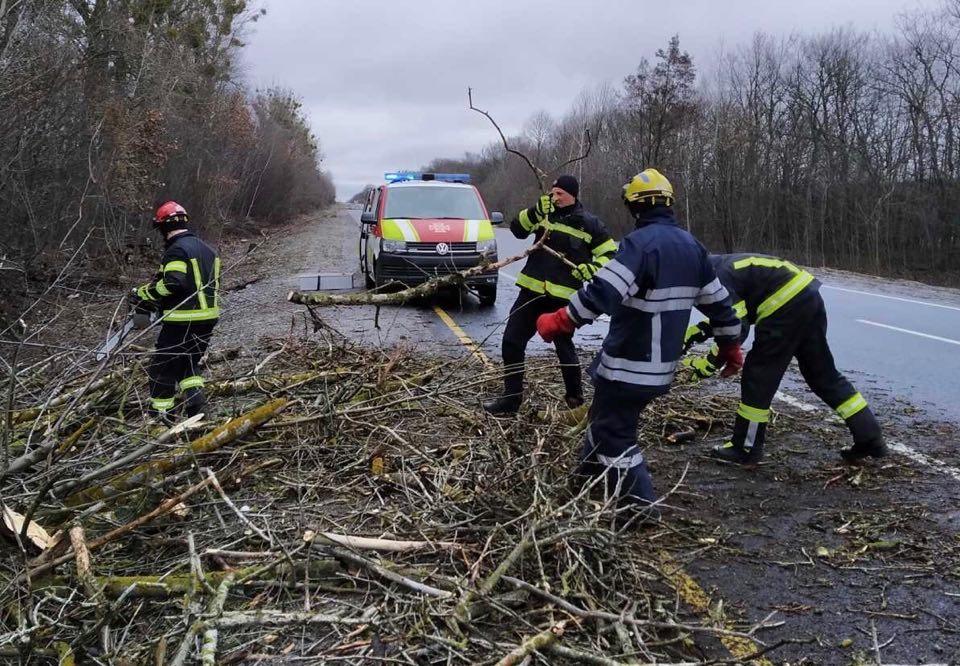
585 272
544 206
730 357
695 334
133 298
552 324
701 366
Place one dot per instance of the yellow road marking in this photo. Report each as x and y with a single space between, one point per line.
696 598
689 589
464 339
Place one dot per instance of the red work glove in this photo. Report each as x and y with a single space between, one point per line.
552 324
730 357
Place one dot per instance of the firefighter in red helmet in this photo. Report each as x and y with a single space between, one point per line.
186 295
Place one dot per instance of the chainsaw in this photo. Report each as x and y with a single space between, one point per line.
138 318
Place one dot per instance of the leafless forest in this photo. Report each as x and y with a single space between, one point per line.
836 149
108 106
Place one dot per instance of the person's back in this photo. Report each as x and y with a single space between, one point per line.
763 283
645 340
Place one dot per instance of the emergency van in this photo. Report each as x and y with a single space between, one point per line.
418 226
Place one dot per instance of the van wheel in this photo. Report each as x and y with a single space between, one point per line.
487 295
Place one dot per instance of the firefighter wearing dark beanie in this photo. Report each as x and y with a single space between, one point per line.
546 283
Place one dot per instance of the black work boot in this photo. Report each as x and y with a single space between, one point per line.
733 453
505 405
875 448
194 401
573 401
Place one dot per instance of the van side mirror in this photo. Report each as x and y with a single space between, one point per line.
496 218
368 217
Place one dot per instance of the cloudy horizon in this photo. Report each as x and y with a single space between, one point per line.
384 85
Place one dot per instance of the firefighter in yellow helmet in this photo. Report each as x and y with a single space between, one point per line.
649 286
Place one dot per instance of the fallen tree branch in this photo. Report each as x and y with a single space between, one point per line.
537 642
420 291
182 457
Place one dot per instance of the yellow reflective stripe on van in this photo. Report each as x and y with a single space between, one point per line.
545 287
783 295
851 406
399 230
177 266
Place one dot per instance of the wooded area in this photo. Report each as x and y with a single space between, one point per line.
835 149
109 106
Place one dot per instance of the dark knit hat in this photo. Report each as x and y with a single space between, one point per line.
568 184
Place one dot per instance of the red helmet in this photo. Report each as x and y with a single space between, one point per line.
169 210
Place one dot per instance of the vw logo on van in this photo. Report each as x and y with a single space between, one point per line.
442 248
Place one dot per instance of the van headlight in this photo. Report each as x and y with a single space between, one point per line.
394 246
487 246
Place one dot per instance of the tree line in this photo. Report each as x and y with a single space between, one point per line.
837 149
108 107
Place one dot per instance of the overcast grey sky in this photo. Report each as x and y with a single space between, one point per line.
384 83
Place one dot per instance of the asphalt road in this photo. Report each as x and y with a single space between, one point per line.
895 339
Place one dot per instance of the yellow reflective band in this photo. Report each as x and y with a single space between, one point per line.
783 295
161 288
565 229
607 247
178 266
162 404
191 315
753 414
477 230
740 309
851 406
202 297
144 293
545 287
766 263
399 230
194 381
528 282
524 218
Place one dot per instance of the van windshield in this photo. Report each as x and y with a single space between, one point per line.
433 201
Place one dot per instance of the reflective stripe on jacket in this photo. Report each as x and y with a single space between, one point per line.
187 286
576 233
659 273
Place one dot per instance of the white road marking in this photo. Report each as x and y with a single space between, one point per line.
924 459
512 278
894 298
793 402
899 447
907 330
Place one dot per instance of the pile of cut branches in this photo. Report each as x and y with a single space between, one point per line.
338 503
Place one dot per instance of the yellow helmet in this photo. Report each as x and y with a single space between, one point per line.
649 186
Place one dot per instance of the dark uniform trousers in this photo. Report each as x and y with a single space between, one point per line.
175 364
610 445
798 330
521 327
